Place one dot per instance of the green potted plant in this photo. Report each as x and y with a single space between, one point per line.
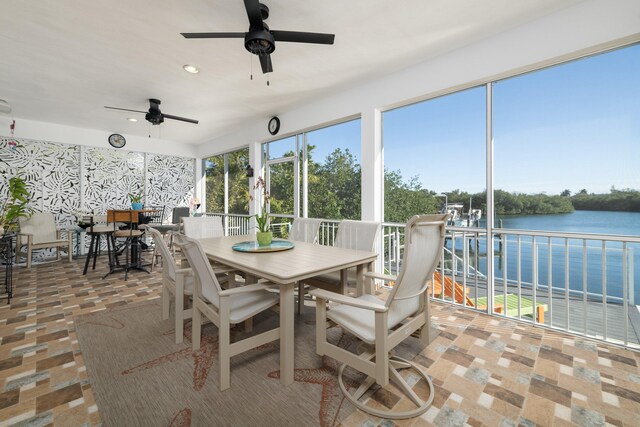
136 201
264 235
15 205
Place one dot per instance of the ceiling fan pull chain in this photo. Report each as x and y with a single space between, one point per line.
251 60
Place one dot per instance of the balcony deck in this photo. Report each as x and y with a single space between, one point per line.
579 311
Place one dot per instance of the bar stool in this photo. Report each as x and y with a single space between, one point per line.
98 229
131 245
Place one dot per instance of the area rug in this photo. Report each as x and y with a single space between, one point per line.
140 377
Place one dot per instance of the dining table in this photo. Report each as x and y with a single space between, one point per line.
286 268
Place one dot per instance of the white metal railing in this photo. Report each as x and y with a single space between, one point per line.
234 224
576 282
584 283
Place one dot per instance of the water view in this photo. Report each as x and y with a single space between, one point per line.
583 222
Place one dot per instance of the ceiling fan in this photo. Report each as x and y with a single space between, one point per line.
260 40
154 115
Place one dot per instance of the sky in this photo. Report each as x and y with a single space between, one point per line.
573 126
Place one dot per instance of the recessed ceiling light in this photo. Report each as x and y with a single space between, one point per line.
131 119
191 69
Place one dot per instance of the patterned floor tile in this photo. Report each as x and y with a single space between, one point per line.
486 370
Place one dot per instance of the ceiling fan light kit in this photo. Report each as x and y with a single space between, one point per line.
260 40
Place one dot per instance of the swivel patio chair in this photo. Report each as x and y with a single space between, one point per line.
39 232
225 308
385 324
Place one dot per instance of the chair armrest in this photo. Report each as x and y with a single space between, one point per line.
219 269
243 289
184 272
385 277
344 299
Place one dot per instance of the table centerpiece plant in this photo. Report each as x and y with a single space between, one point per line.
264 235
136 201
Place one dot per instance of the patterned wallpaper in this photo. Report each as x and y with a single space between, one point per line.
66 179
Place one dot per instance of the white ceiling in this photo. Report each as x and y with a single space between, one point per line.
62 61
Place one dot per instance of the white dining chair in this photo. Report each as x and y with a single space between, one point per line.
225 308
202 227
385 324
304 230
351 234
176 282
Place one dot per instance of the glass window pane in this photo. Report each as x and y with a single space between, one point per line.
282 148
281 188
334 171
238 182
214 172
434 153
566 146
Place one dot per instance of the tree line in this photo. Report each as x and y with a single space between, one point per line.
334 189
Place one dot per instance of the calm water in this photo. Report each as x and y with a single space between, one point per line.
593 222
600 222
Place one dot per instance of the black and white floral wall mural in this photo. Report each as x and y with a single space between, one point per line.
71 179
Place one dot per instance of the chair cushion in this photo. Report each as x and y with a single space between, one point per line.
246 305
359 321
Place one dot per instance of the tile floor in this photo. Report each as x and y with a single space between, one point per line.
486 370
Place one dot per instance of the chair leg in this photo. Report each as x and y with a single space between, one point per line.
70 248
224 342
96 249
29 255
153 258
86 263
179 309
300 297
165 302
196 327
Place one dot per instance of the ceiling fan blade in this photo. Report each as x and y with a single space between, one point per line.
300 37
124 109
182 119
213 35
254 14
266 63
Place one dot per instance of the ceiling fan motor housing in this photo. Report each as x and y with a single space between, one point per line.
154 119
259 42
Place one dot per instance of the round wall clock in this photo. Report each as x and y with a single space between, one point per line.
116 140
274 125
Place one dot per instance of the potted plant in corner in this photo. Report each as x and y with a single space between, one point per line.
15 205
136 201
264 235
